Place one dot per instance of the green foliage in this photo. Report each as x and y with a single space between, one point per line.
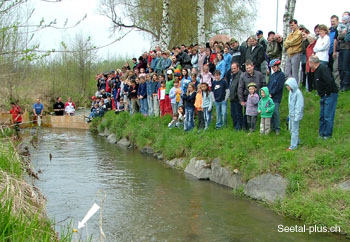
20 227
328 207
8 160
220 16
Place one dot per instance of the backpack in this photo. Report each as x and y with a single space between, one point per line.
347 35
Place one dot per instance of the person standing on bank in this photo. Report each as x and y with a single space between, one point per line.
276 92
38 110
328 91
293 45
236 108
58 107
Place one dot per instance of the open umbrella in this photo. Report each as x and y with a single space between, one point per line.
220 38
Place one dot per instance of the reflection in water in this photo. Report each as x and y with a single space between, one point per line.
146 201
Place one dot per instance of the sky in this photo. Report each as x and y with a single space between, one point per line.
308 13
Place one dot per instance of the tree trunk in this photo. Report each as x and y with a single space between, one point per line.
288 15
164 29
200 20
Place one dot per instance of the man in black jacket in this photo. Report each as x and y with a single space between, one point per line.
328 91
236 108
255 53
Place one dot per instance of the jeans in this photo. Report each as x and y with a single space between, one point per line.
150 104
328 106
144 106
292 66
207 118
236 115
251 122
294 131
344 69
221 113
189 119
155 105
275 120
174 107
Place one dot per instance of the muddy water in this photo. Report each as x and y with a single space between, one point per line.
146 201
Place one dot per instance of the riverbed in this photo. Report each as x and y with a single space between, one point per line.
145 199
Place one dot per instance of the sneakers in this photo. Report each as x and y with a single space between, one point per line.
278 132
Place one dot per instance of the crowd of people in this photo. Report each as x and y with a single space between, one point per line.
188 81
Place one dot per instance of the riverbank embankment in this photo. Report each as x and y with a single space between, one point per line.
311 183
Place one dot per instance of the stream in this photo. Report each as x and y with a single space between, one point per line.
145 199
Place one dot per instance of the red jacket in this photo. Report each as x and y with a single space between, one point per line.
309 52
16 114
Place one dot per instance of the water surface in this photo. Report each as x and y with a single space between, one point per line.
146 200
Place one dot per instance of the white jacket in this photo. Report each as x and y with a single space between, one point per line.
322 47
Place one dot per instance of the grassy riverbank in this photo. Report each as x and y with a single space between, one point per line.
313 170
22 207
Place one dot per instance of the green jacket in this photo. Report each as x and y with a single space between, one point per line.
266 105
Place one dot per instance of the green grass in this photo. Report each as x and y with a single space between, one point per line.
313 170
21 227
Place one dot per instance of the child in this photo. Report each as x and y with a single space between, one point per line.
175 95
252 106
69 107
133 96
296 108
206 76
198 105
155 88
149 85
142 96
181 117
161 97
207 104
189 99
194 80
174 121
266 107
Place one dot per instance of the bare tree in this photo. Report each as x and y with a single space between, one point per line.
201 26
164 36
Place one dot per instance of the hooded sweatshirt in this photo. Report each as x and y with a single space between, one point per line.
295 101
266 105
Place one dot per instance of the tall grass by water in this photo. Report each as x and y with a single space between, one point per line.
22 207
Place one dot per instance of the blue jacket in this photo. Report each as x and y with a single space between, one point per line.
184 84
154 63
142 90
332 33
221 66
172 95
275 86
155 87
295 101
228 59
149 85
166 64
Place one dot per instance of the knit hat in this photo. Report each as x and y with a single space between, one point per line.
275 62
346 18
252 84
